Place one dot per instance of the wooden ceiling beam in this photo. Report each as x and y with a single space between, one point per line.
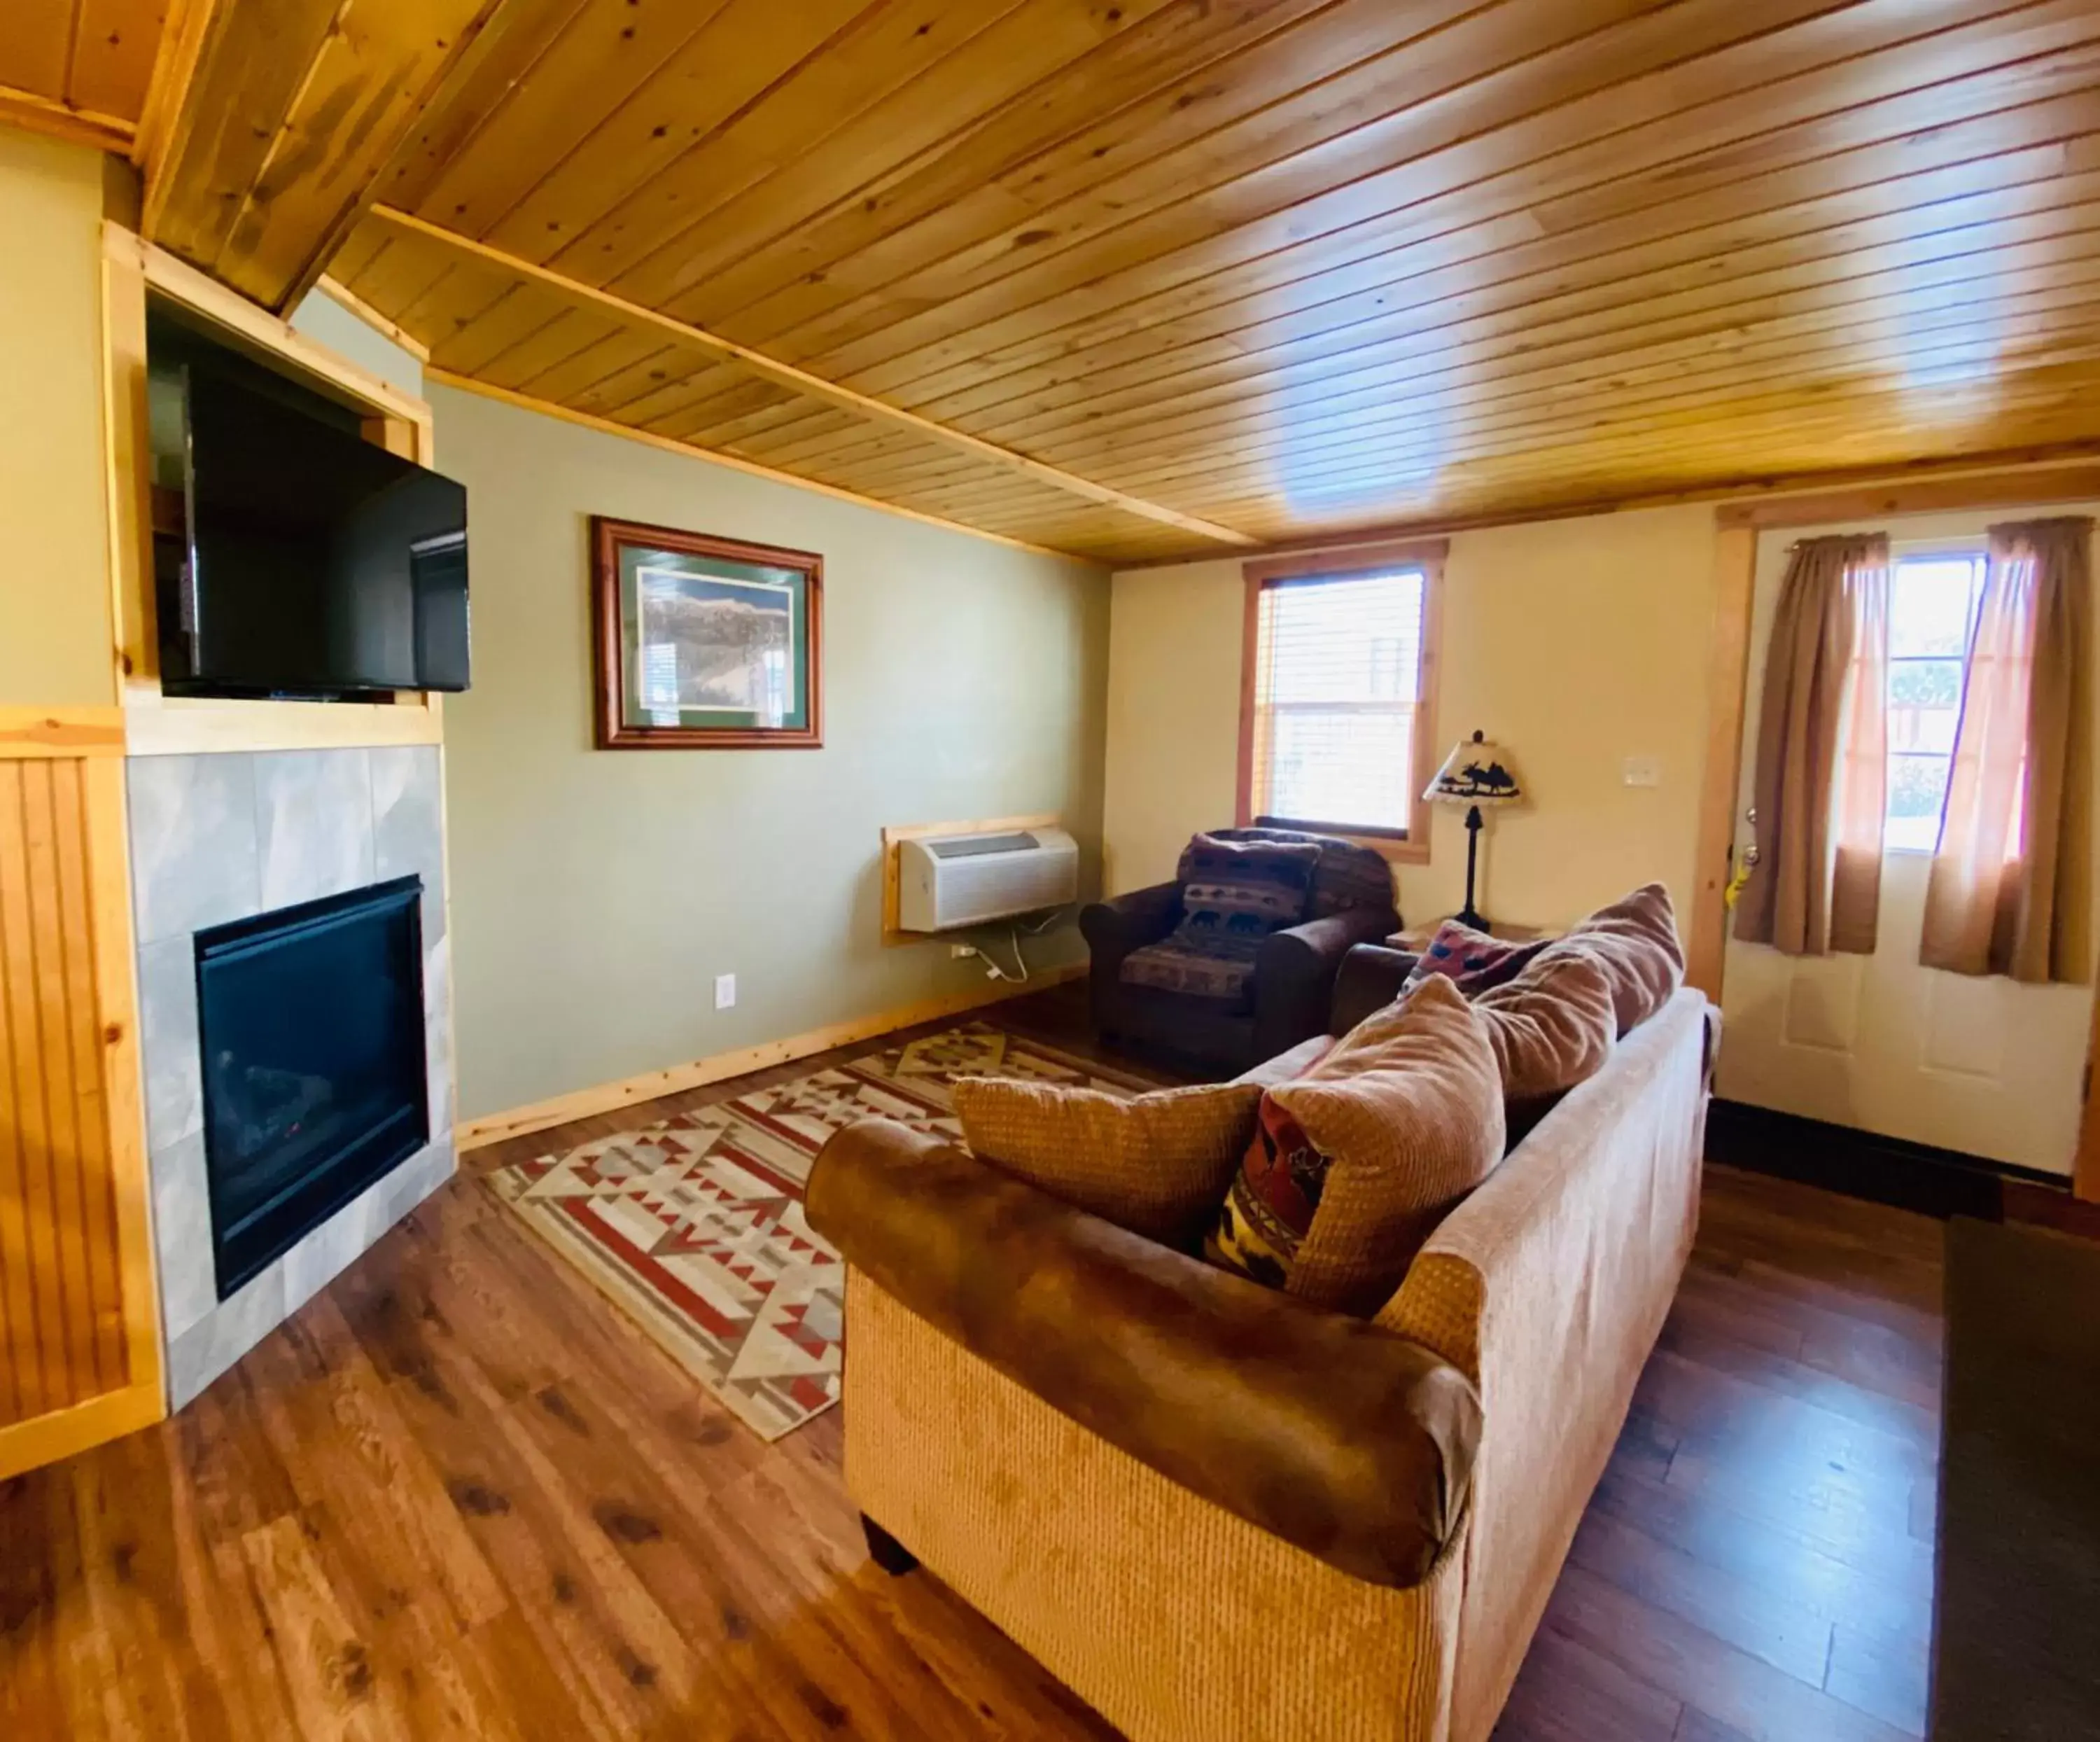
166 113
607 427
637 318
269 123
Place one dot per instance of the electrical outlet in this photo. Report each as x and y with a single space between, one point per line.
725 992
961 951
1642 771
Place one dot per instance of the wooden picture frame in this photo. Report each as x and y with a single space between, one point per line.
764 694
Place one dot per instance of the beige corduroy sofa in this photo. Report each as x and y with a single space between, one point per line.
1326 1529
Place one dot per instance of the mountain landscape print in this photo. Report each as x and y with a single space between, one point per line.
709 644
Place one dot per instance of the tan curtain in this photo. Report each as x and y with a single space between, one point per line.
2009 891
1822 764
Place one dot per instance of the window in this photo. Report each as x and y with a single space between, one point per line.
1336 732
1932 617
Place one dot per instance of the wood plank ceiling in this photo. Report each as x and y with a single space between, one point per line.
79 68
1145 278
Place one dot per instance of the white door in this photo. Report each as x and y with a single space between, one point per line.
1981 1065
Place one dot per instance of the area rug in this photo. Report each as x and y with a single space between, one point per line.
694 1225
2018 1575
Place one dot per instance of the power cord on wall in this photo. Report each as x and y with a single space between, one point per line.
1014 933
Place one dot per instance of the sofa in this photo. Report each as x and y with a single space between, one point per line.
1219 1011
1215 1511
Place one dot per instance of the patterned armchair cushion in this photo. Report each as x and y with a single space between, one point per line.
1233 895
1219 966
1348 875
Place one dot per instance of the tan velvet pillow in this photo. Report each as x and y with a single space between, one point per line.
1551 1027
1634 940
1407 1113
1157 1164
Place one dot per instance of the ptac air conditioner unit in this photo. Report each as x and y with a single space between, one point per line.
947 881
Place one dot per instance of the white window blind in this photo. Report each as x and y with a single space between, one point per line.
1338 685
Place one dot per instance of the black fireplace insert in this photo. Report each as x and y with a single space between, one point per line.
310 1020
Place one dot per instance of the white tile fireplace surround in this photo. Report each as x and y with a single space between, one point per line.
221 838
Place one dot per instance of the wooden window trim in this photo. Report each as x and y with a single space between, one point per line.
1410 846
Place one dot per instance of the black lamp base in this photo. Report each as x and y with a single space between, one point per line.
1469 915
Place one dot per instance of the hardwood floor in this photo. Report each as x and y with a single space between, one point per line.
458 1495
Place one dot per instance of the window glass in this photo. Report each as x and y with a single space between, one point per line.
1932 610
1338 682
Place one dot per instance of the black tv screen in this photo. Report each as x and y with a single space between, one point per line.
316 564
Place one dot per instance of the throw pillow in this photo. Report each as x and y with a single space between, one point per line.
1552 1027
1155 1164
1353 1165
1472 960
1635 940
1264 1217
1246 888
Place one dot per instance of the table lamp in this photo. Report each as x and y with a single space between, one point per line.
1476 772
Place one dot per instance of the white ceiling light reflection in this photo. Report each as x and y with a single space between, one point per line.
1385 472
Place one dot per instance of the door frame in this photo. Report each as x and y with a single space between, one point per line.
1736 526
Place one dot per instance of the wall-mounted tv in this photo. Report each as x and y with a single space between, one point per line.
301 560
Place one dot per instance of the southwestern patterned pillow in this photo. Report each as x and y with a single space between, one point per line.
1236 893
1246 888
1266 1215
1355 1164
1472 960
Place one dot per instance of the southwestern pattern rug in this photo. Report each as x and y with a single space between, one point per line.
694 1225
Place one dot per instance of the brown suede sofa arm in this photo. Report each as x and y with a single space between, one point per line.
1354 1444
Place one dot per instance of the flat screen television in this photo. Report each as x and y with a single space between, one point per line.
305 561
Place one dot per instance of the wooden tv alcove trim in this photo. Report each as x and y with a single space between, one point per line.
133 272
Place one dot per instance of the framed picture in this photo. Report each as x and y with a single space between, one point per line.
705 643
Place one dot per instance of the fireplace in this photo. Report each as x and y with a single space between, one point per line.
311 1023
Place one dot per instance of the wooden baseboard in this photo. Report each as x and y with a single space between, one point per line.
602 1097
46 1438
1863 1165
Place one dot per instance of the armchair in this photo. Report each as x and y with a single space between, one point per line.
1249 1015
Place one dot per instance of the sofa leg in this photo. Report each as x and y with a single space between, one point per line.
886 1550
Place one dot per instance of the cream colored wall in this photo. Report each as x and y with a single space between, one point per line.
1576 644
596 895
55 634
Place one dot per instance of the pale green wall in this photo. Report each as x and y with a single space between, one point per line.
54 636
327 322
596 895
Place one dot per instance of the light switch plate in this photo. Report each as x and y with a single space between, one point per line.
1642 771
725 991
